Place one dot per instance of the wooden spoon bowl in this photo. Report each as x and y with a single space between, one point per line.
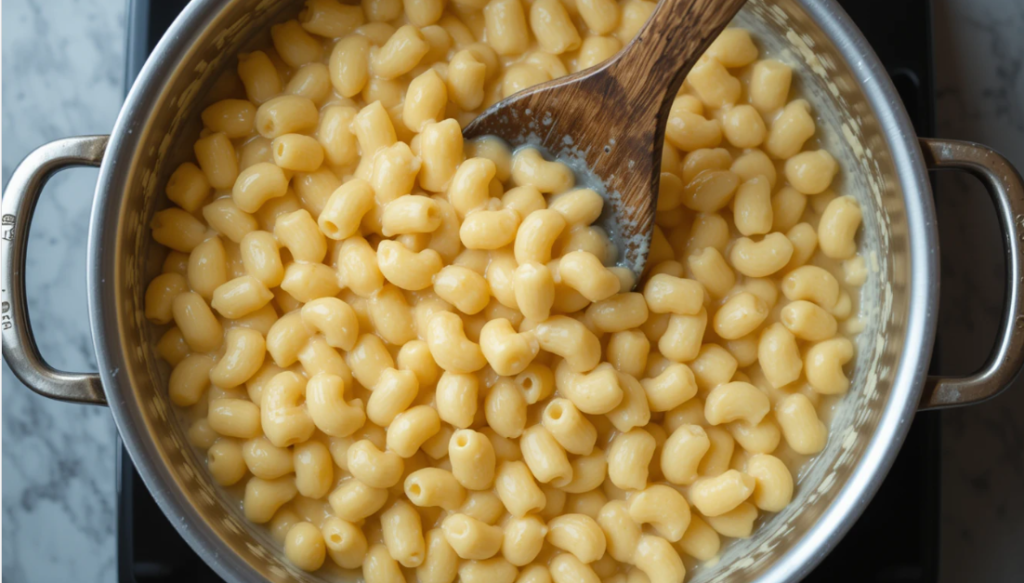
612 116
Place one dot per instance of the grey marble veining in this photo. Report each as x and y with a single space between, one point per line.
63 61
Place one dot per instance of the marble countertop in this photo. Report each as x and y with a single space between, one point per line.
64 70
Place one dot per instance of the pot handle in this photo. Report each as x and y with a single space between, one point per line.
1005 186
19 203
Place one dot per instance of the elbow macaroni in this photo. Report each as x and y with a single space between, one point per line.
378 287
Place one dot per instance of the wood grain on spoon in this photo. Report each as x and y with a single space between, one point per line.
613 115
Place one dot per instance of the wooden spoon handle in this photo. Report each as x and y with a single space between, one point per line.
666 48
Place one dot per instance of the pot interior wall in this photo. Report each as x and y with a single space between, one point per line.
165 125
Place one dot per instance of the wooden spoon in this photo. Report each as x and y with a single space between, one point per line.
612 116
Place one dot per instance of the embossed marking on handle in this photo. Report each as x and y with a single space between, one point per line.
19 203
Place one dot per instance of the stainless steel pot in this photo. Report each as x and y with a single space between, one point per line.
867 128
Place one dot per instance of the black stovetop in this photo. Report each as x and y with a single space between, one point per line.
897 538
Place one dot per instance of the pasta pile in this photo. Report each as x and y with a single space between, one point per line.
414 356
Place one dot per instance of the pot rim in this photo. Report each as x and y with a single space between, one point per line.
822 536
